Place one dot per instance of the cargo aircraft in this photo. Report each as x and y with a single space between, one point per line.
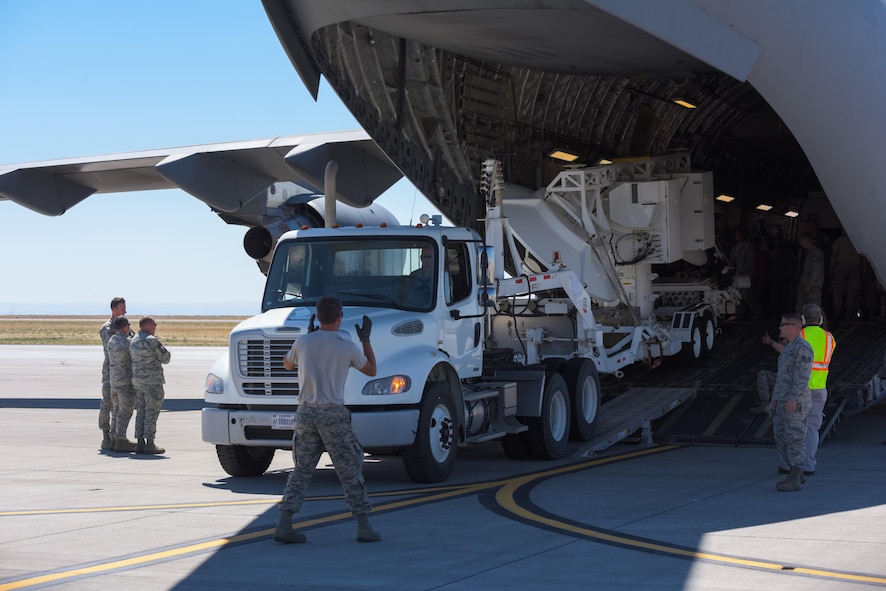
785 101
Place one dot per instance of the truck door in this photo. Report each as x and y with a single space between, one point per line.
462 332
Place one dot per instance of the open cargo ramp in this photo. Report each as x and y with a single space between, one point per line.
725 384
631 411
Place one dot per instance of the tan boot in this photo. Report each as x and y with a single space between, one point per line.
152 449
107 442
284 532
365 533
124 445
793 482
787 471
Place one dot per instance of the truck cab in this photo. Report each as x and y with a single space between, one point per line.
421 287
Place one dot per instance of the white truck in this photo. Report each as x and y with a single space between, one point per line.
506 336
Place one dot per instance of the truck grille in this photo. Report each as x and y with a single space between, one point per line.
260 362
270 388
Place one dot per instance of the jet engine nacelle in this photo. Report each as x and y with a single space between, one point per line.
260 241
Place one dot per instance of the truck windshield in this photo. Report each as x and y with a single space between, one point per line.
390 273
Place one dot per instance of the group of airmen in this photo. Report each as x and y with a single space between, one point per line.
132 380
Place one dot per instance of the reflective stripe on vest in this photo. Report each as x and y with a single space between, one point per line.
823 345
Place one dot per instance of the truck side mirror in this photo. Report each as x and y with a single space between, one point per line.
486 297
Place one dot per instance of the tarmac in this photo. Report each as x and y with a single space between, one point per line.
636 517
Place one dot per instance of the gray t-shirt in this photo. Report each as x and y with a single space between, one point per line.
323 358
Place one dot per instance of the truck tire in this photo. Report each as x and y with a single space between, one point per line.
432 456
708 332
240 460
583 383
692 351
549 433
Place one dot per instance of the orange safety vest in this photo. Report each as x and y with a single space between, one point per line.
823 345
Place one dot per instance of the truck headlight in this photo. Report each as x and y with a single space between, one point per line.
214 385
389 385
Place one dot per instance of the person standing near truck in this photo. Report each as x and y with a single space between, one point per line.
791 399
324 356
121 383
148 357
823 344
106 410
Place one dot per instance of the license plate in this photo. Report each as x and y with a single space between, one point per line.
283 422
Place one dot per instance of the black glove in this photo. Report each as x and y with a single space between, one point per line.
363 331
311 326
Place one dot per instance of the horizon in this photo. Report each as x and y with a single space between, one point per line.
233 308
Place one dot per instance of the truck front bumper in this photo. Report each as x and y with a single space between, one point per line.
390 428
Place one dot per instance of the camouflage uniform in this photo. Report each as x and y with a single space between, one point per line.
148 353
845 277
322 421
811 278
331 424
792 383
121 383
106 410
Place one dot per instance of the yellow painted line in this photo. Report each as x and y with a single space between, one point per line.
505 498
137 508
395 493
183 551
440 493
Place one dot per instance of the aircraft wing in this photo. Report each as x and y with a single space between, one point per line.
230 177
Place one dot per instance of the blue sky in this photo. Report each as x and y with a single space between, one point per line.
88 78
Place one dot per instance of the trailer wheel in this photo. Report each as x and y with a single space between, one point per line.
584 393
241 460
693 350
708 332
516 446
549 433
432 456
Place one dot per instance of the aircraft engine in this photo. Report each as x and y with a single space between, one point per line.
259 241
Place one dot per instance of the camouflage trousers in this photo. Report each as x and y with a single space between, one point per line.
765 383
846 284
148 402
106 410
789 430
124 403
329 428
815 404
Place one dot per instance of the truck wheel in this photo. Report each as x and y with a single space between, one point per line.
584 393
692 351
432 456
240 460
549 433
516 446
708 332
